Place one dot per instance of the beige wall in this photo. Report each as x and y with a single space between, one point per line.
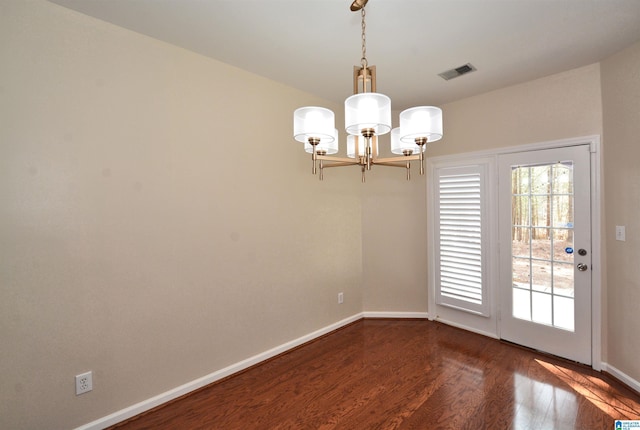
394 241
158 221
560 106
621 105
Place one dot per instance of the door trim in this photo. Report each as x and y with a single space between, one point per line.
596 225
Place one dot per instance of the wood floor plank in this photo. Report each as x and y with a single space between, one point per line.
397 374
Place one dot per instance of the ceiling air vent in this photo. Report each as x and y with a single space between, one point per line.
458 71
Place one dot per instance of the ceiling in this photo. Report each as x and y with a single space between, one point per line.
314 44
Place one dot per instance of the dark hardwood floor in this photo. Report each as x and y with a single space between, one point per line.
397 374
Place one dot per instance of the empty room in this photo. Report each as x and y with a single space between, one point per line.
319 214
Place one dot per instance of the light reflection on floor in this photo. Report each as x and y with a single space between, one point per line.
607 398
542 406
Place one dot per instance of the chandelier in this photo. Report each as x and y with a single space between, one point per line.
367 116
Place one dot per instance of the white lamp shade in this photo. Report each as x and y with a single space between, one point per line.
324 145
421 121
367 110
362 142
314 122
399 147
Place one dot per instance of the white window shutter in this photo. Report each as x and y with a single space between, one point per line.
460 243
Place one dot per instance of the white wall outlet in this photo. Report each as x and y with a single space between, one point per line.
620 233
340 298
84 383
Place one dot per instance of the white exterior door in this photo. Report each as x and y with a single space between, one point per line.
545 250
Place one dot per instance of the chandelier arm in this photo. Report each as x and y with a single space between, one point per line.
314 157
337 161
401 165
339 164
421 142
402 162
395 160
314 142
369 155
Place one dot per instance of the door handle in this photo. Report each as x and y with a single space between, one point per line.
582 267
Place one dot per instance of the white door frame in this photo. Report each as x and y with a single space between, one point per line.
596 229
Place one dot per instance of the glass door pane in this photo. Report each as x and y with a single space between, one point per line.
542 244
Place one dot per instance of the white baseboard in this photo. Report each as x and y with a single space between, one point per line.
618 374
421 315
151 403
468 328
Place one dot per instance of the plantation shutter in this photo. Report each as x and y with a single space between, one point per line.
460 238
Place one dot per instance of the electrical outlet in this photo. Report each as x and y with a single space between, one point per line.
340 298
620 233
84 383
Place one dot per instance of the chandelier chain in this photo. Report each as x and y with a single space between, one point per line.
364 41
